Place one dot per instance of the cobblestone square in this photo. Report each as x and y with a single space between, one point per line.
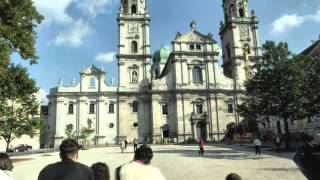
182 162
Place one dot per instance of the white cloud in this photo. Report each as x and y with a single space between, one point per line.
287 22
106 57
92 8
75 26
73 36
55 12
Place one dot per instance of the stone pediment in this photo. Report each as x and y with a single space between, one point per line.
92 70
194 37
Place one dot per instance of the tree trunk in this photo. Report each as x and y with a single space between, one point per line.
287 134
7 147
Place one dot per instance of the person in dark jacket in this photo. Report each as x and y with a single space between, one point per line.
68 168
308 159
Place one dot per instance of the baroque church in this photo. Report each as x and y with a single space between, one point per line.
174 96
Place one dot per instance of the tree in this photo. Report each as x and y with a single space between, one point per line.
18 20
275 89
70 133
85 134
18 109
18 106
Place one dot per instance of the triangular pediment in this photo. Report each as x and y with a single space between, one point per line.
92 70
195 37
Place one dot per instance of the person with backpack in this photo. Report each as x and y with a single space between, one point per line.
307 159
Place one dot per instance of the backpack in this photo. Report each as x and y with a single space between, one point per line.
301 161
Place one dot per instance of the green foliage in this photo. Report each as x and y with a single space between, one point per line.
284 85
18 20
69 131
85 134
18 105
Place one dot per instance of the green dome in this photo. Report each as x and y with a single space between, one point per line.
161 56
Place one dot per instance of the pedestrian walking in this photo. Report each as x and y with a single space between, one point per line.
5 167
278 143
125 144
68 168
140 168
135 144
101 171
257 145
307 159
201 147
122 146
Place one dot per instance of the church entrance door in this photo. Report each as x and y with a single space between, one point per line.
201 130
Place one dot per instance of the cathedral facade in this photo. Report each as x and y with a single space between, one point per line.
176 96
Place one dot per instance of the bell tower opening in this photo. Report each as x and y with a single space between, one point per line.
134 9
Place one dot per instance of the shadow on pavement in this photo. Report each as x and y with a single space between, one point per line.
213 154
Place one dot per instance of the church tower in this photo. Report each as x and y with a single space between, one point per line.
134 70
240 40
134 45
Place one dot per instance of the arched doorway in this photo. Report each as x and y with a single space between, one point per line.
201 130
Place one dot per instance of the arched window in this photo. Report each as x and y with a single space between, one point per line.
111 108
91 109
134 47
92 82
197 75
70 109
134 9
246 48
135 106
134 77
241 13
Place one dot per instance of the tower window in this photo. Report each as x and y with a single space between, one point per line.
198 47
91 109
134 47
134 9
134 78
191 46
165 109
228 50
241 13
92 82
197 75
246 48
70 109
135 106
111 108
230 108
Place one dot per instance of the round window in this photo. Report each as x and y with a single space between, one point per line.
135 124
111 125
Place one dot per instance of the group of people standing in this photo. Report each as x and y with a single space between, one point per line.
69 169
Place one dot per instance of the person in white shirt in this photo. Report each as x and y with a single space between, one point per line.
140 168
257 145
5 167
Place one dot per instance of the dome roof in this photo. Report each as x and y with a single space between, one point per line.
161 56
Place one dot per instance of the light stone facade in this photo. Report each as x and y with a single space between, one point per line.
178 96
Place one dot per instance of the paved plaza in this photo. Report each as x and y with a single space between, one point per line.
181 163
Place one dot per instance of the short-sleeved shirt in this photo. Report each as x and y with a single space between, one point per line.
66 170
135 170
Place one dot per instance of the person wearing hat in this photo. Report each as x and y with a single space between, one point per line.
308 159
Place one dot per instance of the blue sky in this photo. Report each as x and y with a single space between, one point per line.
78 33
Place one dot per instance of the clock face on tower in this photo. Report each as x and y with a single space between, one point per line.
133 27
